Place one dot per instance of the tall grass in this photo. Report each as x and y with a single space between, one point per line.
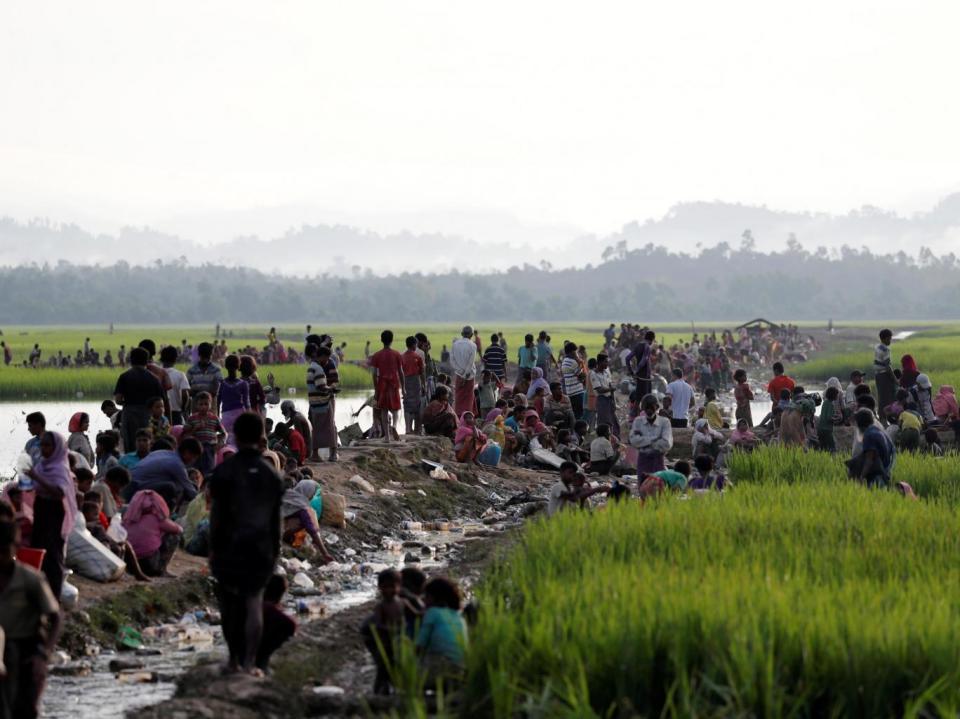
796 593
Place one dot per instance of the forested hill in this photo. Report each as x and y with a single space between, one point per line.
650 284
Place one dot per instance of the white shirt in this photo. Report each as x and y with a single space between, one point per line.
601 449
463 358
601 380
555 503
681 393
180 382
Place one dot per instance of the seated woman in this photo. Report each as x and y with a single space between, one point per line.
300 519
151 533
439 418
742 438
469 441
91 515
495 427
706 440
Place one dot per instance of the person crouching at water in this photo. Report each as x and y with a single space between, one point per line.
652 436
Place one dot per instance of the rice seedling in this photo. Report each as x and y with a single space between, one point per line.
796 593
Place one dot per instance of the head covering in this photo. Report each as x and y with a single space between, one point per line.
834 382
144 503
76 421
702 425
298 498
923 382
537 383
54 475
908 364
492 415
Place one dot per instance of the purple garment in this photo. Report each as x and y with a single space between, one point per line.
711 481
650 463
234 395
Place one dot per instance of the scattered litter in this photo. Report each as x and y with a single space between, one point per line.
389 493
362 484
391 544
312 607
394 483
328 691
420 491
411 558
138 677
349 552
72 669
331 539
413 526
302 580
124 665
349 516
188 618
426 551
129 638
441 474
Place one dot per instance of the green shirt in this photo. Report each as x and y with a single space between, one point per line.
825 424
672 478
443 633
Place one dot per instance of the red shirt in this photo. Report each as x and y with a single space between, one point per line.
412 363
778 384
298 445
389 365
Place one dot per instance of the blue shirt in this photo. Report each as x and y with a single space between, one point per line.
544 353
876 440
159 468
443 633
527 357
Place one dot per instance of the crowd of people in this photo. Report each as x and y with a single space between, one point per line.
192 462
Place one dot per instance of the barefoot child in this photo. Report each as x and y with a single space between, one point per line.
442 640
382 628
205 427
159 422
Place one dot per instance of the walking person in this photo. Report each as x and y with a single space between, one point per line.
245 496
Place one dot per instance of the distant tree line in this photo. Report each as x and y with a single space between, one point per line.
649 283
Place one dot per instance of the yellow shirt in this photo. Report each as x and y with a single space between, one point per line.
713 414
909 420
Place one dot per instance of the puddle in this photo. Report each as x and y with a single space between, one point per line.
901 336
339 586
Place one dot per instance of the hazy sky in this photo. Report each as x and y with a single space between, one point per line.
567 115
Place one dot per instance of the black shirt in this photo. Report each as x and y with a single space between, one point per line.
137 386
245 492
495 360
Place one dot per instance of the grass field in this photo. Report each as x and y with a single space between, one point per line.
798 593
17 382
934 349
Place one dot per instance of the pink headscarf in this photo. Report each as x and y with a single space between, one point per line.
492 415
464 431
145 502
53 474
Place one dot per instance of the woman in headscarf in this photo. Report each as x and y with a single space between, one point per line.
705 440
78 441
54 506
908 371
299 516
469 441
742 438
439 419
150 531
538 382
922 391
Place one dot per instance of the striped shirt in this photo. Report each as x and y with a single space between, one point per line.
495 360
205 428
570 371
316 384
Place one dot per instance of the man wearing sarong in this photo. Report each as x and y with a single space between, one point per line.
463 364
387 367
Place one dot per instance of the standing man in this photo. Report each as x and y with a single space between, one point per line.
527 356
245 494
652 436
134 389
883 372
495 359
545 356
463 364
608 335
571 372
387 367
414 386
179 394
204 375
602 382
681 399
159 372
640 361
779 383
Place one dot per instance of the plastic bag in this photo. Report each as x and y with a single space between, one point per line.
90 559
116 530
23 465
